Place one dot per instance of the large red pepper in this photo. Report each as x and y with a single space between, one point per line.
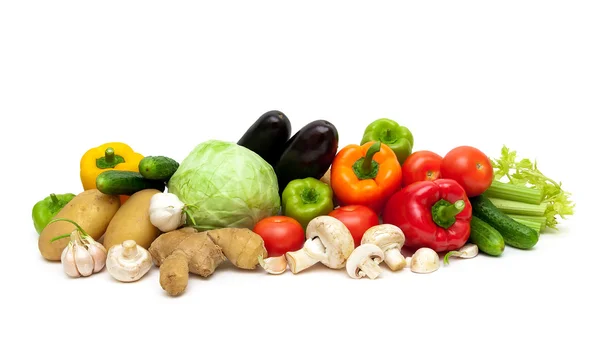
434 214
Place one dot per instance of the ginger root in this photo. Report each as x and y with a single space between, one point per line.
166 243
174 273
186 250
241 246
180 252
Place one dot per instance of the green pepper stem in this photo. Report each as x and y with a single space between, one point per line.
387 135
72 222
54 198
109 155
367 164
309 196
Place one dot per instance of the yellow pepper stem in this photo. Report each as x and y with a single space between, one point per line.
109 160
109 155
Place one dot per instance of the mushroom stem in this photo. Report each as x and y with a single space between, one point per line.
394 259
300 260
316 249
129 248
369 268
273 265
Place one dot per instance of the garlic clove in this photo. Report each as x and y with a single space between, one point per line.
98 252
273 265
83 259
68 261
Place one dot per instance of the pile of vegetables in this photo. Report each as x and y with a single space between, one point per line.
280 201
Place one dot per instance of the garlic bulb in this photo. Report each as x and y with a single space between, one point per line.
167 212
128 262
83 256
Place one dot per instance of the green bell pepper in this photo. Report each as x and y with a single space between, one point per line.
46 209
392 134
305 199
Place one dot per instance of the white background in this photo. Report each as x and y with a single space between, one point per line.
165 76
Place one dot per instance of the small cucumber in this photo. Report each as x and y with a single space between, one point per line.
515 234
158 168
487 239
121 182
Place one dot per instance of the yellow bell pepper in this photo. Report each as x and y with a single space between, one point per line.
108 156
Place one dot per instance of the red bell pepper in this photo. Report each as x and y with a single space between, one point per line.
434 214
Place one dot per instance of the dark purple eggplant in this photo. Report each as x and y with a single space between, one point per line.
268 135
309 153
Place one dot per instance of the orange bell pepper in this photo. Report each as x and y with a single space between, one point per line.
366 175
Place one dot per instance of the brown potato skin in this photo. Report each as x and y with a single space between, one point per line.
91 209
132 222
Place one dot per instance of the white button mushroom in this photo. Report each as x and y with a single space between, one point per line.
128 262
364 261
328 241
390 239
424 260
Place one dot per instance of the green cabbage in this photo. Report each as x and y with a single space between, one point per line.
226 185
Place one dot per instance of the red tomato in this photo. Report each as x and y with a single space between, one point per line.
281 234
357 218
421 166
470 167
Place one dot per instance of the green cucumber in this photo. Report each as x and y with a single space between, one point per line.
158 168
121 182
515 234
487 239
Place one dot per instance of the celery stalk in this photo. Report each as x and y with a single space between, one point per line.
517 208
536 219
532 224
515 193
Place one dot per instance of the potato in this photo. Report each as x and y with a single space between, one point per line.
91 209
132 222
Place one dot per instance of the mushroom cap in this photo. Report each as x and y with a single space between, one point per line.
361 254
424 260
335 238
384 236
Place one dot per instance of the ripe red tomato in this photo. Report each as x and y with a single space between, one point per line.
421 166
470 167
281 234
357 218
